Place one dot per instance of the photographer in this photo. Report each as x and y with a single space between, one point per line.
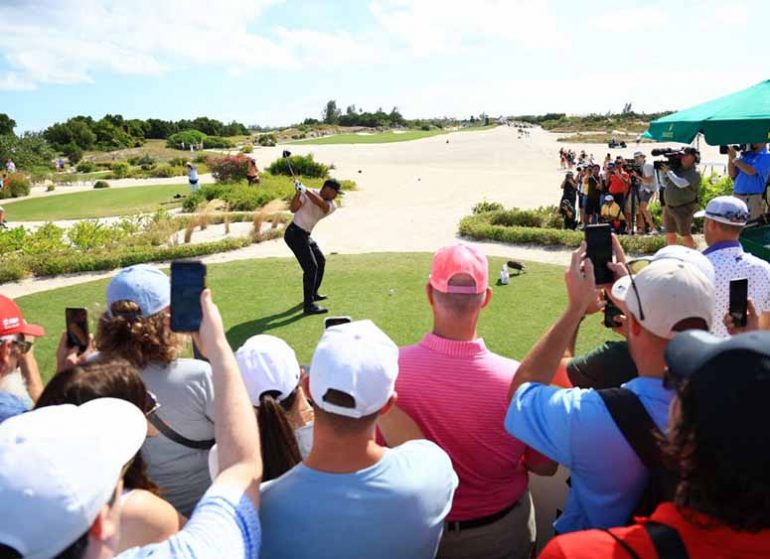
750 174
681 180
647 187
569 187
619 183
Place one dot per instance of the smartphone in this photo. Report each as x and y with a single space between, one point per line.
336 320
599 242
188 280
76 320
611 312
739 301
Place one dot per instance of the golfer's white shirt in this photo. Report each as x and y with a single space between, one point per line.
309 214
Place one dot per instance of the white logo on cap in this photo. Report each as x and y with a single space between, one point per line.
10 322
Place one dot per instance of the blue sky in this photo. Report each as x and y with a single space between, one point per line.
278 61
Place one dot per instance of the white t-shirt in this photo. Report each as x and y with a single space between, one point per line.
649 171
730 262
309 214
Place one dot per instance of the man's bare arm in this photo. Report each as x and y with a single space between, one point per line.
318 201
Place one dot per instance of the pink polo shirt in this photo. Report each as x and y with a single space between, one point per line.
456 392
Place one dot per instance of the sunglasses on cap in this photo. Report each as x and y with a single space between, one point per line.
23 345
639 264
731 216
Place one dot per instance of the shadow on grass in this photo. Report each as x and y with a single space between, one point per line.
242 332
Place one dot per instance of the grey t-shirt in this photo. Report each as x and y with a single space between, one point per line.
185 391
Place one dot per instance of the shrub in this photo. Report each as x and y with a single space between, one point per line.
267 140
166 171
50 188
146 161
11 240
483 207
185 138
247 149
216 142
303 165
48 238
178 161
101 184
200 158
120 169
86 167
229 169
90 234
16 185
73 153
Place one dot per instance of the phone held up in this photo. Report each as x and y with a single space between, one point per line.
739 301
336 321
599 243
188 280
611 312
76 320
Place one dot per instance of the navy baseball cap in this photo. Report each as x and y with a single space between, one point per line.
144 285
728 382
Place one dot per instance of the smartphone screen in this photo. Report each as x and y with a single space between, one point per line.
76 320
739 295
336 320
188 280
599 241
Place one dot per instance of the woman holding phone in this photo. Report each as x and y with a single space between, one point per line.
136 327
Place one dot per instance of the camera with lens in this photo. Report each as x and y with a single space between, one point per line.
673 158
739 147
630 166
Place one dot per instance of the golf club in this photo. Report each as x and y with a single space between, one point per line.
286 155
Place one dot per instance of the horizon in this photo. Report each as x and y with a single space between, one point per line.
276 62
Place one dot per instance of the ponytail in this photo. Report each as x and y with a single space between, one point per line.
280 451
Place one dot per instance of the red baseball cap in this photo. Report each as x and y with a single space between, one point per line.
451 261
12 321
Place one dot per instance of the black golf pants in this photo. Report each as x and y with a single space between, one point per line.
310 258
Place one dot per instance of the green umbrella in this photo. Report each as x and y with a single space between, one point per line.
739 118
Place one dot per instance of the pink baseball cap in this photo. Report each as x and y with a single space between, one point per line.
459 259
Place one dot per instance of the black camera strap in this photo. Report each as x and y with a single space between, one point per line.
169 433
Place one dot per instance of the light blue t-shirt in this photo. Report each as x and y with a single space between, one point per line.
574 428
394 509
224 524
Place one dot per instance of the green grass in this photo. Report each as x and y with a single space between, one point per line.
94 203
384 137
263 296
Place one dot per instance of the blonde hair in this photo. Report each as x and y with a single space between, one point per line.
138 339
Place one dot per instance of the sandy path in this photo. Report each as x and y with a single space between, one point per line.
412 195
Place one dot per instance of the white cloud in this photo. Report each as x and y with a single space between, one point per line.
13 82
441 26
69 41
733 13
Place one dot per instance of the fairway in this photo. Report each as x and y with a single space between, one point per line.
264 296
379 138
95 203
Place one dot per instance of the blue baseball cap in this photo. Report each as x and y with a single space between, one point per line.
144 285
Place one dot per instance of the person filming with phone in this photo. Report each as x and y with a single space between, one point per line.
750 173
724 219
309 207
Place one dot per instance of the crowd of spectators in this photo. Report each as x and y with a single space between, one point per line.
422 451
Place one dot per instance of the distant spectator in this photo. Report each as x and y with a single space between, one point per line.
574 426
19 372
750 172
724 219
271 373
618 185
452 385
721 508
145 517
681 195
252 174
192 176
610 364
2 218
61 467
136 327
352 498
10 166
648 186
593 192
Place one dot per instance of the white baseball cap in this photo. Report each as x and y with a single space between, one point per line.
689 255
609 198
268 364
726 209
357 359
58 466
639 154
669 291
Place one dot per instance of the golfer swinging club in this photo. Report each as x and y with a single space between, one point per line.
309 207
